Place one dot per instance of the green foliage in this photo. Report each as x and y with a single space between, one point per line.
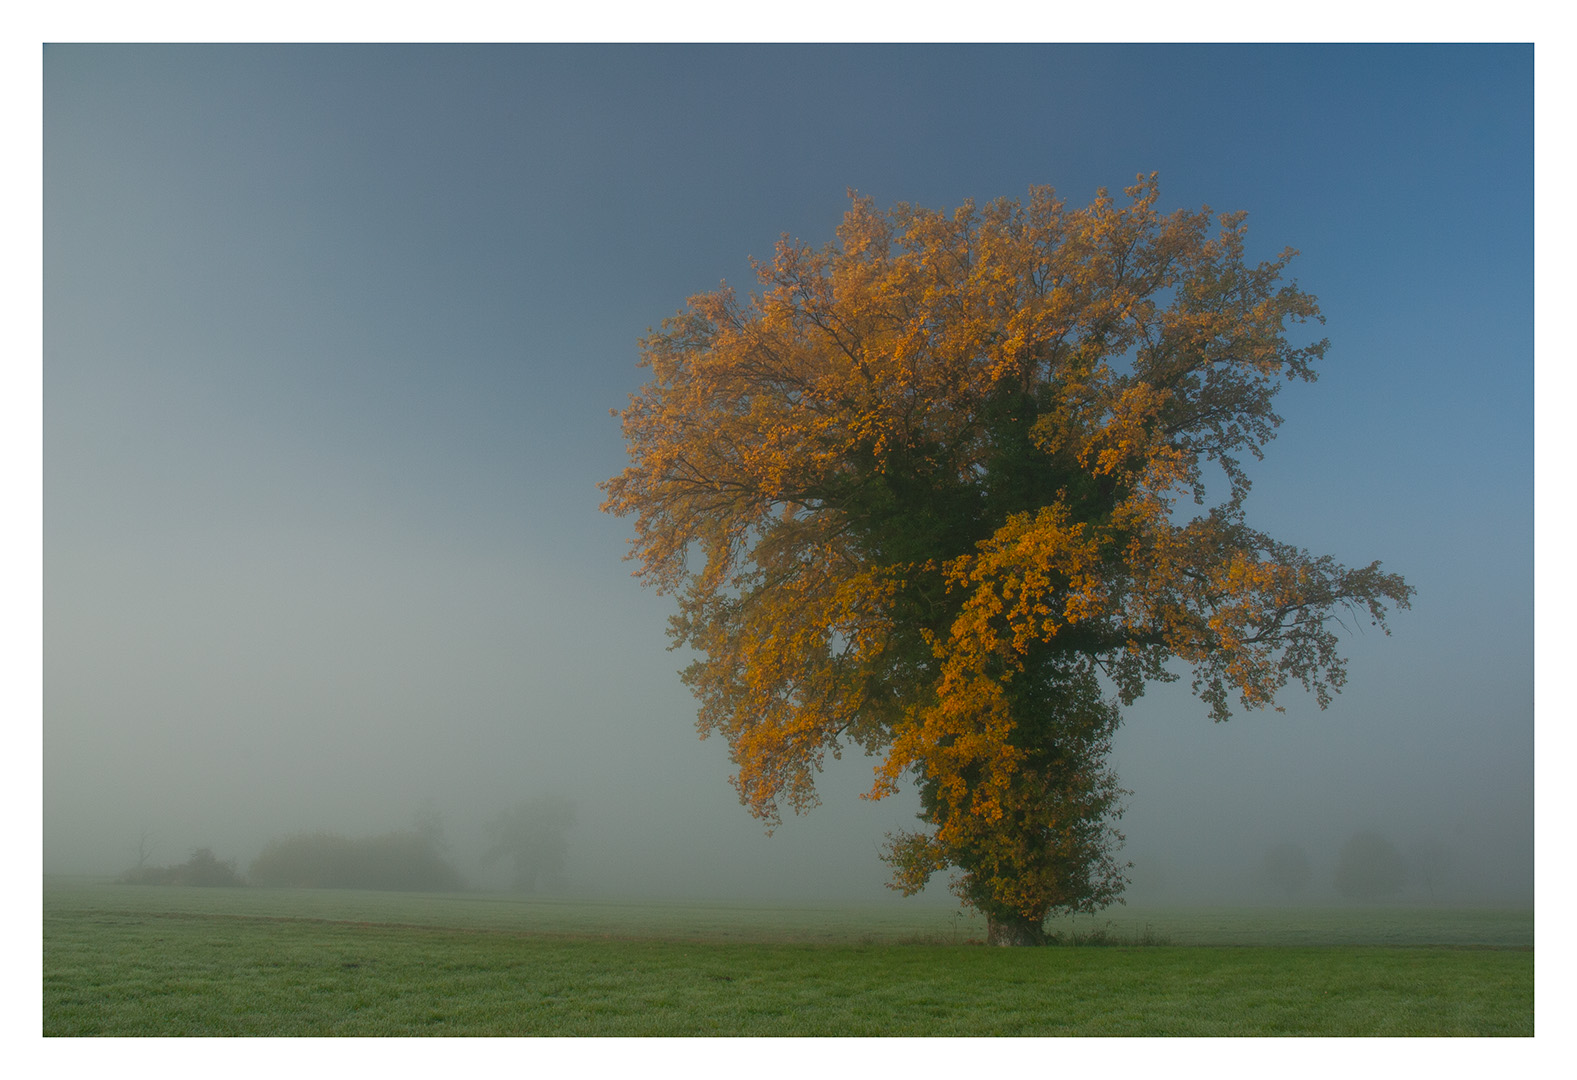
1369 868
203 868
1063 841
396 860
533 837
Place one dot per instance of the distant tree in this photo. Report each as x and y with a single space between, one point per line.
206 868
202 867
145 846
396 861
533 837
148 875
1369 868
1430 863
1286 869
429 825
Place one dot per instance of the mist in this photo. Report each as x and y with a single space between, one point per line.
330 340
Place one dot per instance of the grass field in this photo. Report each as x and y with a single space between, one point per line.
124 960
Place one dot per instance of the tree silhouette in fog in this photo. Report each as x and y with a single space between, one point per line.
1369 868
533 836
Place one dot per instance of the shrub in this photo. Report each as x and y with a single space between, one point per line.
396 861
203 867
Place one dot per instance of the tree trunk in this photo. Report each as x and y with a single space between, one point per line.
1015 930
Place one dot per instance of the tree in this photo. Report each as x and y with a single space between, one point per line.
1286 869
1369 868
920 496
202 867
145 848
407 861
206 868
1430 865
533 836
428 823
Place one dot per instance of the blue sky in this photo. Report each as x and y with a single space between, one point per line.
331 336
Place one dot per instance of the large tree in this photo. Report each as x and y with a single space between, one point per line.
920 495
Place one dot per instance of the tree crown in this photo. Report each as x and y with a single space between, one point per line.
920 492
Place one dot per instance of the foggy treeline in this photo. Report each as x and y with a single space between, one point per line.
534 847
530 838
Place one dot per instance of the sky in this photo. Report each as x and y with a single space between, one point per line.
331 336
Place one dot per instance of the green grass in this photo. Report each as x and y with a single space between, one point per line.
129 961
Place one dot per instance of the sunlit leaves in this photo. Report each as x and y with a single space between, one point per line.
919 494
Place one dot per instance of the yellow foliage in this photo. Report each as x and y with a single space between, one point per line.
932 470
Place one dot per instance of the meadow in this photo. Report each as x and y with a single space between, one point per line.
148 960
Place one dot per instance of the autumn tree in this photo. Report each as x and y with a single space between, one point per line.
922 495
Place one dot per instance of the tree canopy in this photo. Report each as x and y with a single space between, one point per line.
533 836
922 494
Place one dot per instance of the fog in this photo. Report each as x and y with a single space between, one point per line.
331 336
